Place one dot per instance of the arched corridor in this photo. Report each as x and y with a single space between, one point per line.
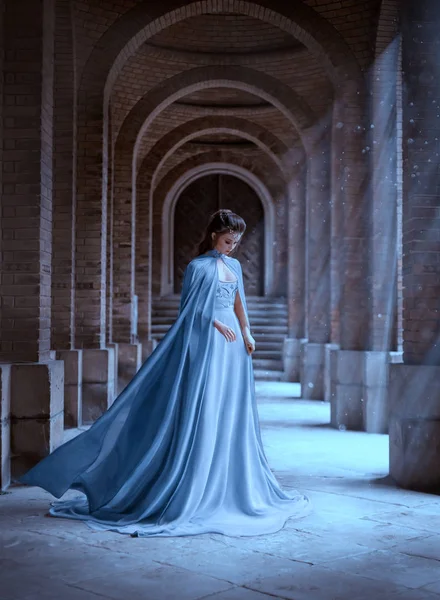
125 125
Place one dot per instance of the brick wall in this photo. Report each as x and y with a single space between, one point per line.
27 181
386 194
64 193
421 183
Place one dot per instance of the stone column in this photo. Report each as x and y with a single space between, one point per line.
64 212
90 306
383 241
5 409
124 313
347 365
318 263
414 390
146 257
35 391
5 426
296 274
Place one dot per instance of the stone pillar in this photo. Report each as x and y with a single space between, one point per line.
36 394
129 362
347 366
318 264
64 182
73 367
5 426
147 348
383 240
98 387
90 304
37 427
414 391
296 274
64 213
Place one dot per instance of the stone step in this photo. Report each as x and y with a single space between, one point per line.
270 353
268 375
267 364
270 333
267 313
268 323
251 300
257 323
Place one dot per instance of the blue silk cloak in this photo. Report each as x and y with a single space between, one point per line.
135 465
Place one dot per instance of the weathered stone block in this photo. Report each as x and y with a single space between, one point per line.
97 366
330 351
346 407
349 367
375 404
98 383
346 389
129 361
292 349
375 409
415 454
73 362
312 371
414 391
147 348
37 390
414 397
376 365
37 412
5 426
314 354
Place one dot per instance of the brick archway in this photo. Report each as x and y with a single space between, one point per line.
148 263
121 41
144 113
170 143
169 206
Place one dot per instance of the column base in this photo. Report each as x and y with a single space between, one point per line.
376 411
358 390
414 395
292 348
5 426
98 383
347 389
37 412
312 371
148 347
73 364
129 362
329 348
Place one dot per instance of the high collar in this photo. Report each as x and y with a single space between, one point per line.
215 253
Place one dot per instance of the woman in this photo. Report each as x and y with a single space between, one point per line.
179 452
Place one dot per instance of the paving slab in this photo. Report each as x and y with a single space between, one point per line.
159 583
390 567
365 538
320 583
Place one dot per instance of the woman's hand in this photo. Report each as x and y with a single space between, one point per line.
248 340
225 330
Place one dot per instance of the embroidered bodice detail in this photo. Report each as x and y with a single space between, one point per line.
225 295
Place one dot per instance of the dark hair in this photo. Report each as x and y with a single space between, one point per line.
222 221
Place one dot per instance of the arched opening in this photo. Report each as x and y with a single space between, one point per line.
203 197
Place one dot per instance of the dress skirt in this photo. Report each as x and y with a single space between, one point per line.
225 484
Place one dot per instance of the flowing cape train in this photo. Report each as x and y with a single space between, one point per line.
150 428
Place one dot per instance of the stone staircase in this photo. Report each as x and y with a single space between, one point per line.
268 318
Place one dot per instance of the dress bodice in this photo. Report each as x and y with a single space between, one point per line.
225 295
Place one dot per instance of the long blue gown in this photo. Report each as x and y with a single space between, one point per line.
180 451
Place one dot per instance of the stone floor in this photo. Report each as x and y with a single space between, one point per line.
364 539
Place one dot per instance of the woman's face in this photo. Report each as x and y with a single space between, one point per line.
226 242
